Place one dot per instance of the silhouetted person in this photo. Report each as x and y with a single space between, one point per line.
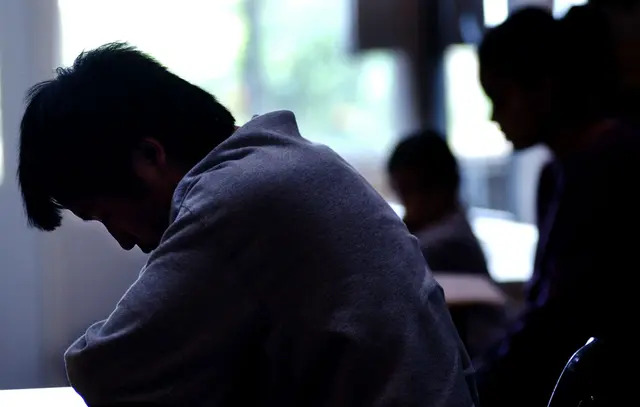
424 173
554 82
265 285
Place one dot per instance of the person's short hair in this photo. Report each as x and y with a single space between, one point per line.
521 48
616 3
575 55
79 130
427 154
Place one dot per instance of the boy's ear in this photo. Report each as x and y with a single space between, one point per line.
149 159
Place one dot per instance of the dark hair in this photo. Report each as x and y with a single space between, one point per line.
427 154
587 77
79 130
521 47
615 3
575 54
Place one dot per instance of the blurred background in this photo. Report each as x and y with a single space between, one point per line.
358 75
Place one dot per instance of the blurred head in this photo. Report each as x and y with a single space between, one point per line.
516 61
548 77
424 174
109 139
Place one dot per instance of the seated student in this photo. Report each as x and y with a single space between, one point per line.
265 285
424 173
554 82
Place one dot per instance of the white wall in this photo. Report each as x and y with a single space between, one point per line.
51 285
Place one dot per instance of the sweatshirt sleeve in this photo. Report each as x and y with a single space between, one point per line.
180 312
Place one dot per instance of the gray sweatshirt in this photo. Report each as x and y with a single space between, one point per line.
283 279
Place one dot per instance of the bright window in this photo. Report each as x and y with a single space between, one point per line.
256 56
471 133
495 12
560 7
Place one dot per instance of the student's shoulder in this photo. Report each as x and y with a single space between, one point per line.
266 165
258 179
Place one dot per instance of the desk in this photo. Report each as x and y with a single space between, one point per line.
469 289
476 305
50 397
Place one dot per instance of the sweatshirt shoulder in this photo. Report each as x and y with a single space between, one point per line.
267 159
